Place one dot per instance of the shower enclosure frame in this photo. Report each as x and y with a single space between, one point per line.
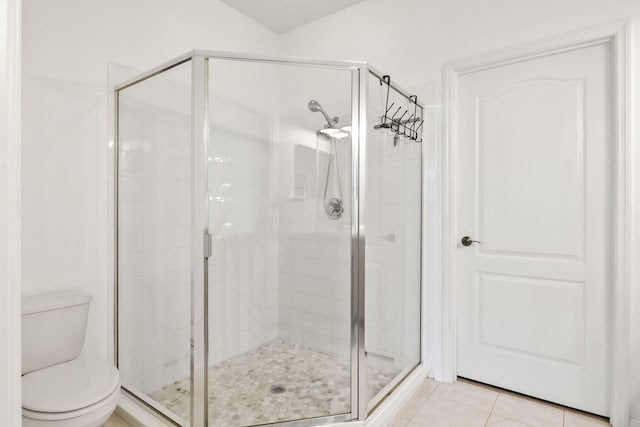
201 243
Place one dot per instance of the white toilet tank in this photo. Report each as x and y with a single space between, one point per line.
53 328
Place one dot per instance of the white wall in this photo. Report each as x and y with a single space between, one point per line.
67 48
412 39
67 45
10 407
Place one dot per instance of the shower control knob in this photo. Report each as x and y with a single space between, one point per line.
334 208
466 241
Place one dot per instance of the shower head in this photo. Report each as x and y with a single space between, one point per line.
315 107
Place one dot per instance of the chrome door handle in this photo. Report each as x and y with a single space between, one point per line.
466 241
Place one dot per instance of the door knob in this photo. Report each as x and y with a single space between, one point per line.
466 241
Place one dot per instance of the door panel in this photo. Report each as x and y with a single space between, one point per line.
533 123
556 336
533 186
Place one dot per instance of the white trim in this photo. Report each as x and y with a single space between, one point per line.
634 423
447 372
383 415
621 293
130 410
10 57
618 36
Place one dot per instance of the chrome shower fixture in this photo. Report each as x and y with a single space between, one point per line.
333 206
334 132
317 108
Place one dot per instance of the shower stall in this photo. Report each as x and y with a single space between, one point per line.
268 239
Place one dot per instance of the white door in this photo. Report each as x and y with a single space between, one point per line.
532 182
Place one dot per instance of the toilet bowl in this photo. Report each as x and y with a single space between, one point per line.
59 390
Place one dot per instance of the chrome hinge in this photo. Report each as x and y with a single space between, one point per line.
208 246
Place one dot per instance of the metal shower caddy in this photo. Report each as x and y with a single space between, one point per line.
408 128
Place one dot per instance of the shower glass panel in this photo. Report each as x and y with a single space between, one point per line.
268 239
153 234
279 274
393 248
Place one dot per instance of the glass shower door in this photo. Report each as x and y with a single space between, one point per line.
153 240
393 247
279 281
270 321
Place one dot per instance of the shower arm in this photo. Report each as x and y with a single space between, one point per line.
330 120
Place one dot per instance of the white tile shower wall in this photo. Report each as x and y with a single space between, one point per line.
243 294
314 282
298 127
315 291
154 230
314 251
393 251
243 271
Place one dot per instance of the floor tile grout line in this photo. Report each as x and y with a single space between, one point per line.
421 406
515 394
537 402
430 394
461 403
466 405
492 408
487 421
498 393
514 420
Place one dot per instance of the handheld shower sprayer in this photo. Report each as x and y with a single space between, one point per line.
333 206
315 107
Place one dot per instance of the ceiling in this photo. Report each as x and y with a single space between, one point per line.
284 15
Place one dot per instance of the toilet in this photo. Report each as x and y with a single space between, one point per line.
58 389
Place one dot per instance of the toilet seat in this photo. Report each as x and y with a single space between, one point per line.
68 386
70 390
96 410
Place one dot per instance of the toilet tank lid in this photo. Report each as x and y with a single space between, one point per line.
53 300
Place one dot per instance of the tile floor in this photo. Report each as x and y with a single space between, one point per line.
467 404
315 384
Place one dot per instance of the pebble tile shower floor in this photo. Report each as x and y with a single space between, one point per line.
316 384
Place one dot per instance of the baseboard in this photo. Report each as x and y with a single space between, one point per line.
138 415
382 416
634 422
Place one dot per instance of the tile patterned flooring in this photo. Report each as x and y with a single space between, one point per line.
468 404
317 384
